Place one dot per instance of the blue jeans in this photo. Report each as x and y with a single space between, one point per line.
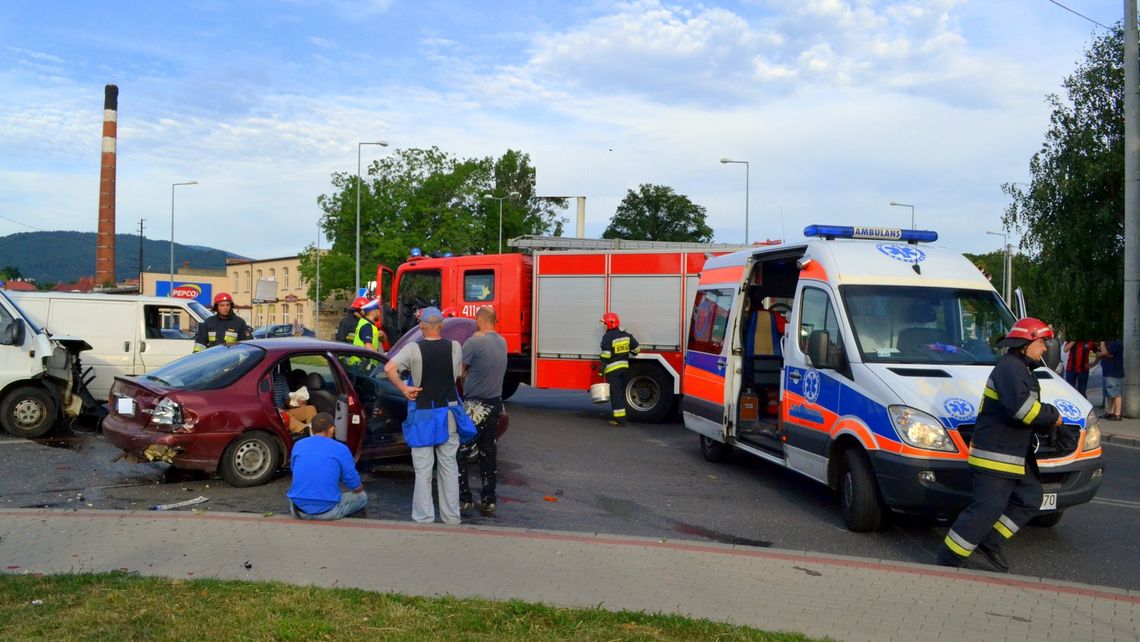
349 503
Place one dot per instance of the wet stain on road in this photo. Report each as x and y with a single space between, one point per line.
174 475
67 442
618 507
717 536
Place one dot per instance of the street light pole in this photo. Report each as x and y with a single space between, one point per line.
1007 267
894 204
170 293
317 313
747 187
359 147
501 199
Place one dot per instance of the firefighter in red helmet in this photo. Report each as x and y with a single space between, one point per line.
346 329
617 347
224 328
1007 491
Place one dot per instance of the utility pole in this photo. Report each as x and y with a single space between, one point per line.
141 226
1131 402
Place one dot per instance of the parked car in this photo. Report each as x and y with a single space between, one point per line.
219 409
280 330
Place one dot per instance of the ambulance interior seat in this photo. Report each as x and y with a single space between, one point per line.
763 348
915 340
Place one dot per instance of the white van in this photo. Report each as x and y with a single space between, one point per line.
858 359
35 392
129 335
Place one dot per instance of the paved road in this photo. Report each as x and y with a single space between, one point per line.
641 480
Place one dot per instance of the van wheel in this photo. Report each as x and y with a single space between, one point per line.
858 493
714 450
1047 520
648 393
250 460
27 412
510 385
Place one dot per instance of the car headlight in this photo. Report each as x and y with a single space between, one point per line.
1092 431
167 413
920 430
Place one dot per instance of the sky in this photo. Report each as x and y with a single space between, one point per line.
839 106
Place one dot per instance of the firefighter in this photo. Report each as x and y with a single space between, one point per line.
367 332
617 347
1007 491
346 329
224 327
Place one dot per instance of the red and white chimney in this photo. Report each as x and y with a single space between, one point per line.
105 240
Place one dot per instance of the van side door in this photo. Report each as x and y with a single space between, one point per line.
708 373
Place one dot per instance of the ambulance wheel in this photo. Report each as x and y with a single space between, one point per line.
858 494
648 393
27 412
250 460
1047 520
714 450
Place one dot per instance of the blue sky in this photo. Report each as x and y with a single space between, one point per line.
840 106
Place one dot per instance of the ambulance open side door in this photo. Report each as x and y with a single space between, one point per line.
711 370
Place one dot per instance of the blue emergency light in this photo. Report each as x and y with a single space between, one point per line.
871 233
416 252
447 255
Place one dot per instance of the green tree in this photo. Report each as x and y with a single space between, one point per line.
657 213
10 273
1071 215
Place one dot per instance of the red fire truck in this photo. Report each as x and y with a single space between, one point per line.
549 302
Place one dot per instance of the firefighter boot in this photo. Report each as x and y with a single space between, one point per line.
947 557
993 554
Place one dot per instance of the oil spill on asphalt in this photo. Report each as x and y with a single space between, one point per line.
174 475
717 536
66 442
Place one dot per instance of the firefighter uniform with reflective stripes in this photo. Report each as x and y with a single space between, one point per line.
1007 493
221 331
617 347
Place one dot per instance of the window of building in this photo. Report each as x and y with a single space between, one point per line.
272 274
248 282
272 313
284 278
235 280
285 313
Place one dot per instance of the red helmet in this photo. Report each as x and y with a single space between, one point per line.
1025 331
223 296
449 312
359 302
611 319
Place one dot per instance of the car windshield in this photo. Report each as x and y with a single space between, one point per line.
906 324
214 368
27 319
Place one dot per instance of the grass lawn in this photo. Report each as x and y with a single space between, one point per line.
128 607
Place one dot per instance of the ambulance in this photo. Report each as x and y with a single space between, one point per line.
858 358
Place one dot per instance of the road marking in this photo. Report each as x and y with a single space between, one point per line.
1122 503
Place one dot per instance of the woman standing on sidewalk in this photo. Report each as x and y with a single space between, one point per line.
1112 367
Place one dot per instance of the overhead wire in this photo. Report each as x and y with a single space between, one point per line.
20 223
1075 13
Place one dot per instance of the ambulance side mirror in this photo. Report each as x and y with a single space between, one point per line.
1052 355
817 350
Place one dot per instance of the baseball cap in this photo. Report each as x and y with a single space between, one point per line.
431 314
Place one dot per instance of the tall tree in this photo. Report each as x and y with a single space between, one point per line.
657 213
1071 215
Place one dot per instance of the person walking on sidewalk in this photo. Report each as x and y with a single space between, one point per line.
320 464
1112 367
484 366
617 347
1007 492
430 429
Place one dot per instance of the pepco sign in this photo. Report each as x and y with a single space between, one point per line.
200 292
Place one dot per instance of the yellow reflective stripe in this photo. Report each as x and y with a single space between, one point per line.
991 393
617 365
953 546
605 354
1005 532
619 413
996 465
1033 412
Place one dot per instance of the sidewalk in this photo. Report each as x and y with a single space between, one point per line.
1125 432
846 598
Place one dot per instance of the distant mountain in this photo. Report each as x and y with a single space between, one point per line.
66 256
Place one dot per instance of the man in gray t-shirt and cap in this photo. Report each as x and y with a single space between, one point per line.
484 365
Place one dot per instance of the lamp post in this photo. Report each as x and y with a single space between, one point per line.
317 313
170 293
359 147
747 182
1007 268
501 199
894 204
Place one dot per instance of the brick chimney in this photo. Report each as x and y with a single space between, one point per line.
105 239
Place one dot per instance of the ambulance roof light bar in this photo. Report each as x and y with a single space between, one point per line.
831 232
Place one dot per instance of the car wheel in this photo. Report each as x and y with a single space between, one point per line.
858 493
648 393
250 460
1047 520
714 450
27 412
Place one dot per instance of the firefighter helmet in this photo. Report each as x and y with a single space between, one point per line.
222 297
1025 331
611 319
359 302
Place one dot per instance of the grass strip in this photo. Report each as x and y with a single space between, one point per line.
120 606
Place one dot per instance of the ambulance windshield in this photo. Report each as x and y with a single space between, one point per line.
907 324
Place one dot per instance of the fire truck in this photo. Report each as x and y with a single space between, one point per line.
549 300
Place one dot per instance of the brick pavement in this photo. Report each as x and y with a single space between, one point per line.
846 598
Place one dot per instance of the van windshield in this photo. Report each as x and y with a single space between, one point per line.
27 319
210 369
907 324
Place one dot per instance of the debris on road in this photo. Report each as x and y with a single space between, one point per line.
550 498
182 504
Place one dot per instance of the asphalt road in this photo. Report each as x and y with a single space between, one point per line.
562 468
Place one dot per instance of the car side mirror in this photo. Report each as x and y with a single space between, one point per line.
1052 355
817 350
13 334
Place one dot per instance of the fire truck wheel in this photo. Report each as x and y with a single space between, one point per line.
858 493
714 450
648 393
1047 520
510 385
